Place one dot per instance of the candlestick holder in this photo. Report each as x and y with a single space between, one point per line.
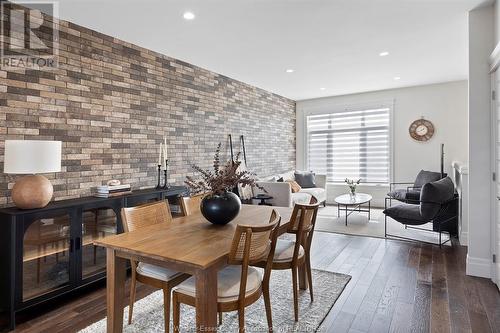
165 185
158 186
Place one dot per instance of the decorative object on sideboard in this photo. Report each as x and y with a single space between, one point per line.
160 163
113 182
109 191
165 176
31 158
165 166
220 205
421 130
352 184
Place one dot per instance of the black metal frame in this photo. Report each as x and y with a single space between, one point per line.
355 208
14 223
442 210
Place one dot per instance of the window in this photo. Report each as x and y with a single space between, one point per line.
352 144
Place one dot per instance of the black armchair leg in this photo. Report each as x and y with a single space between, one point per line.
385 226
439 227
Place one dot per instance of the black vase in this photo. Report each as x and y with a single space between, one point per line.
220 209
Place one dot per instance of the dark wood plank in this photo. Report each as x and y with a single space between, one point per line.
489 295
455 273
440 314
421 310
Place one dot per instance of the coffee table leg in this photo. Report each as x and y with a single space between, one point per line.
346 215
369 211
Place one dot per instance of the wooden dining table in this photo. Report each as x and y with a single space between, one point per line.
188 244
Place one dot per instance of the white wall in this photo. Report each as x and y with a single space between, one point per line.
481 43
444 104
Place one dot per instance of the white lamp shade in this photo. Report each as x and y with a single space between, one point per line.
32 156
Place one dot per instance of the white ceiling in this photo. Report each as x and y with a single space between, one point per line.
330 44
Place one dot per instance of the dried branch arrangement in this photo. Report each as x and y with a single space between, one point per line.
223 177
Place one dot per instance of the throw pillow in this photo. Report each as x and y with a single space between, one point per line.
306 179
425 177
294 185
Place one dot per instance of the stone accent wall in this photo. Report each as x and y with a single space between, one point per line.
111 103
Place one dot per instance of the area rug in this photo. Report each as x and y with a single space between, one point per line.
148 312
359 225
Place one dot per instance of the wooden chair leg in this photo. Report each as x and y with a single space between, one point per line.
267 302
133 283
176 312
241 318
295 274
309 276
166 308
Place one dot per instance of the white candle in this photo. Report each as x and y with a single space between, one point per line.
165 148
159 156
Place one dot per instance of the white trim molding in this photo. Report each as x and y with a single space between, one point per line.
463 238
478 267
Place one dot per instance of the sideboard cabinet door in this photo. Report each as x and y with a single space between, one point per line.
97 223
47 245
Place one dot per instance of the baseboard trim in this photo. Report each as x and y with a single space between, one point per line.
464 238
478 267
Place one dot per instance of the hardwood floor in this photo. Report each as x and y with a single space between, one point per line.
395 287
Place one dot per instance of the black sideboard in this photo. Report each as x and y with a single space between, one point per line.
48 252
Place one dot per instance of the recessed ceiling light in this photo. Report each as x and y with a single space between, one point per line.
383 54
396 78
290 70
188 16
322 88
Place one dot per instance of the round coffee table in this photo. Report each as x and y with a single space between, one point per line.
352 203
263 197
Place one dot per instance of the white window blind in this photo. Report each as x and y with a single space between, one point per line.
350 144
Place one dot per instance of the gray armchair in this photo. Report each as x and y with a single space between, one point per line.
435 204
411 193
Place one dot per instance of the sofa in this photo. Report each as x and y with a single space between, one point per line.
282 192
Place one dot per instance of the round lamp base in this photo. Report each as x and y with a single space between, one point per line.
30 192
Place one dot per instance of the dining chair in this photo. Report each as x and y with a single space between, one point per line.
313 200
191 205
159 277
239 284
293 254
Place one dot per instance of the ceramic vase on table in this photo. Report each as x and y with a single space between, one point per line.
220 209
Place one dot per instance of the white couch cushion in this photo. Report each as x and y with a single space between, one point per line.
300 198
156 272
318 192
228 283
284 250
290 175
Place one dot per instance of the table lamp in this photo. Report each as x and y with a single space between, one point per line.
31 157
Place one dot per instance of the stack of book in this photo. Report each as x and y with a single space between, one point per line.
108 191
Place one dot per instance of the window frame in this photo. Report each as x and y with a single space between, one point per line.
336 108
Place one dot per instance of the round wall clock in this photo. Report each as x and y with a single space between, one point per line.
421 130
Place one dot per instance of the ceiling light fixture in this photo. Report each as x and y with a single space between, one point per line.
383 54
397 78
188 16
322 88
290 70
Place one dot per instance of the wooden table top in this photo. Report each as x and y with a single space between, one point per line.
190 241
